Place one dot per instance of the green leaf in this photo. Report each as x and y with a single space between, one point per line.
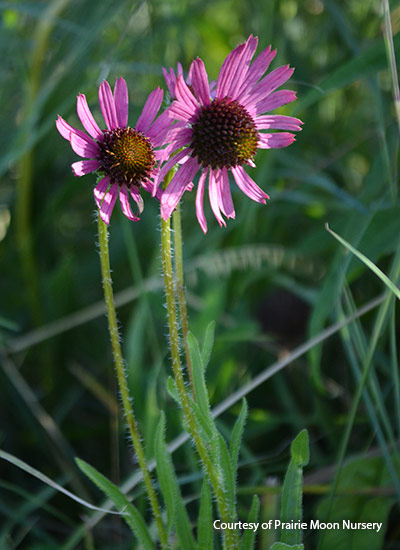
367 262
198 377
237 434
208 344
176 510
205 532
164 466
130 513
206 429
291 509
300 449
283 546
362 473
173 390
223 460
249 537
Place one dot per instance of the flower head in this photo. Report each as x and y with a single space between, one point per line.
222 129
125 157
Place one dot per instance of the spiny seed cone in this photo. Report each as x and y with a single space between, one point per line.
126 156
224 135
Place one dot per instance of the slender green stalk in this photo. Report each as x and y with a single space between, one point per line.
231 540
180 290
122 380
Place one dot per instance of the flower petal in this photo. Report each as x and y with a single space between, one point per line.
199 201
85 167
100 190
255 72
167 167
234 72
150 109
173 193
224 193
275 100
107 105
185 96
86 117
84 146
214 197
121 102
134 191
275 141
66 130
200 81
248 186
107 205
158 131
268 84
126 207
278 122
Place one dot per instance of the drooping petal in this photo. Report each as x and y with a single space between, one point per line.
85 167
275 141
199 201
100 190
134 191
84 146
173 193
167 167
126 207
200 81
150 109
248 186
224 193
121 102
87 119
278 122
214 197
107 105
149 186
275 100
107 205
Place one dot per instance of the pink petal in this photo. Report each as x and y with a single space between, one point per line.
242 69
100 190
199 201
227 70
268 84
150 109
278 122
248 186
234 69
167 167
107 205
66 130
159 129
185 96
200 81
107 105
85 167
173 193
124 200
214 197
121 102
149 186
256 70
275 141
179 111
84 146
275 100
170 80
86 117
134 191
224 193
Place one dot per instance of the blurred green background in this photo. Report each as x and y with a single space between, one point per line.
271 279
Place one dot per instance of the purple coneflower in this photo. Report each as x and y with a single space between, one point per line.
222 131
125 157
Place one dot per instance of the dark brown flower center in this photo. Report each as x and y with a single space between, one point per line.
224 134
126 156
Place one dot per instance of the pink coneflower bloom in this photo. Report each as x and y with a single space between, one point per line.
223 133
125 157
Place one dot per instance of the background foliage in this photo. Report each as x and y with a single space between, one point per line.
272 279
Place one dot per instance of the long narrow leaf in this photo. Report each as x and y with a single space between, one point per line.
249 537
367 262
130 513
205 532
164 466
